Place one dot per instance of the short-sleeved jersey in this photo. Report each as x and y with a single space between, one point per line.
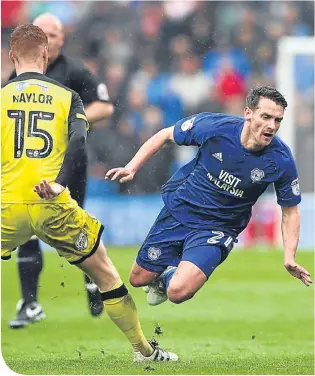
218 188
73 74
36 114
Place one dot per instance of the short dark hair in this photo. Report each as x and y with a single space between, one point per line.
269 92
26 39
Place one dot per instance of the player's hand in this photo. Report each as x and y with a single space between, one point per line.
124 173
298 272
47 190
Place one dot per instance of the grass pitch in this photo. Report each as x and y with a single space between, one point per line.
250 318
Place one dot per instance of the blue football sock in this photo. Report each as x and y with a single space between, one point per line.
168 276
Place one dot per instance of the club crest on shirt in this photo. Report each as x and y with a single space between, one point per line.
257 175
154 253
82 242
188 124
295 187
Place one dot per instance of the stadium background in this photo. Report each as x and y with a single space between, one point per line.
162 61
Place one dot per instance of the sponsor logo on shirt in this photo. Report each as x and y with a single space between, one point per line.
218 156
20 86
188 124
227 182
295 187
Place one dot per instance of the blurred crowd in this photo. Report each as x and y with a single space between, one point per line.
164 60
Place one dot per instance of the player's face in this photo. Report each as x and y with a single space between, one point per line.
55 38
264 121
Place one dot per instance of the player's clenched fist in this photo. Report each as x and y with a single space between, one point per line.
125 173
47 190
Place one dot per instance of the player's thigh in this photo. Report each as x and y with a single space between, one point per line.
100 268
163 244
207 249
71 230
196 266
15 228
203 252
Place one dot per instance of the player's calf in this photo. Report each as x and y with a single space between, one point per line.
140 277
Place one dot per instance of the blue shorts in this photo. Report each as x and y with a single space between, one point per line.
170 242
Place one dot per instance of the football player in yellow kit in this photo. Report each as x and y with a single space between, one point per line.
43 135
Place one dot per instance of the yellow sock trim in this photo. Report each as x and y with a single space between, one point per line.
123 313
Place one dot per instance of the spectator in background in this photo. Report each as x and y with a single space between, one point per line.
190 83
239 59
116 48
304 141
211 102
293 23
178 15
229 83
180 46
201 34
263 63
148 44
248 34
12 14
105 149
147 71
156 173
137 101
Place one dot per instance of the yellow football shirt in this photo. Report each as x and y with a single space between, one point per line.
35 114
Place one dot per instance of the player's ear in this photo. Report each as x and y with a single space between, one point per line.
45 53
11 57
248 113
62 39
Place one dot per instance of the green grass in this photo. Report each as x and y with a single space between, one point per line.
250 318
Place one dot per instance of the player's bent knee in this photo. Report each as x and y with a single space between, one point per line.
137 280
140 277
178 294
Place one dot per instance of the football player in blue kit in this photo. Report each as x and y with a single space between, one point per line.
208 202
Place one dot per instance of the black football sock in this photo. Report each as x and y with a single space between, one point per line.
87 279
30 263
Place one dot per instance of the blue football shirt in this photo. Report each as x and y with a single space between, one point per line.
217 189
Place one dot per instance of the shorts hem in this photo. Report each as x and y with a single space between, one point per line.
93 249
5 257
9 256
150 268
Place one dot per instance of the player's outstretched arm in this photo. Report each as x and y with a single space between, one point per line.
147 150
290 227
